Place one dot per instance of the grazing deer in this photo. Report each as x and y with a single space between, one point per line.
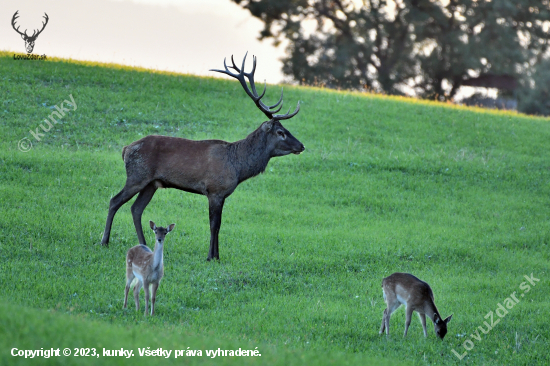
147 267
213 168
29 40
416 295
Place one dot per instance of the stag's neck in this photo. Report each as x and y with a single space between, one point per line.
158 257
250 156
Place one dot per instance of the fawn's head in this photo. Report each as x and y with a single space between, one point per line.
160 232
440 325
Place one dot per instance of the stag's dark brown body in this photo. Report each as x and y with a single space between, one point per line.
213 168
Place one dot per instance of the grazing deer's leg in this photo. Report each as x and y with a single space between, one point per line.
215 204
137 288
423 321
393 304
147 295
154 288
387 321
139 205
116 202
409 312
383 326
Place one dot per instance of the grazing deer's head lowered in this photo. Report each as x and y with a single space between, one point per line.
29 40
213 168
416 295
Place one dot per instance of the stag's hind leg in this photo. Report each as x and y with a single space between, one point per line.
129 191
139 205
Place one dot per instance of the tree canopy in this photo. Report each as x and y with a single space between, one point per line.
427 48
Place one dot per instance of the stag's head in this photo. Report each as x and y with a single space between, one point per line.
280 141
29 40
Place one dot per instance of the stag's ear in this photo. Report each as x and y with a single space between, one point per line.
267 126
23 36
152 224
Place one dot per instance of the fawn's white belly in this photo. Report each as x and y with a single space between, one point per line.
138 276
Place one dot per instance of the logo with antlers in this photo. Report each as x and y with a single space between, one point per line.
29 40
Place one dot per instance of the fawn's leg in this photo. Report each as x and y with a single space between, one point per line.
129 278
147 295
137 288
154 289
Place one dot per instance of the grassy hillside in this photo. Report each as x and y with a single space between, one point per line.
458 197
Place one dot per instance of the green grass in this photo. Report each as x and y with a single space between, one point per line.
459 197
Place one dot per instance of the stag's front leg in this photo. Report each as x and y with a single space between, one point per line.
215 204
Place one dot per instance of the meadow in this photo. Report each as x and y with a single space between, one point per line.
460 197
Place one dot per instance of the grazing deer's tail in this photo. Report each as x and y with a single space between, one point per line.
123 151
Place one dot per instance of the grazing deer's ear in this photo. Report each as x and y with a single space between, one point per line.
437 319
152 224
170 228
266 126
448 319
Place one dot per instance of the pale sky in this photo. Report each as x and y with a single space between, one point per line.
186 36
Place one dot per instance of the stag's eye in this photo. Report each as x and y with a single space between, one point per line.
280 133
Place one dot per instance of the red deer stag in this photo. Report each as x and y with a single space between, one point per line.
213 168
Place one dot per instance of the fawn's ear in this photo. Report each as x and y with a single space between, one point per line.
170 228
448 319
152 224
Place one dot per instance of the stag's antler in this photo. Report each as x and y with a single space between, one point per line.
267 110
43 26
15 16
34 34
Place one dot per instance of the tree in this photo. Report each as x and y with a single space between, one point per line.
428 48
535 98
